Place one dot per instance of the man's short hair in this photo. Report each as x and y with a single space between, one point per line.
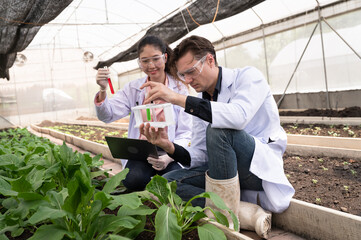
199 46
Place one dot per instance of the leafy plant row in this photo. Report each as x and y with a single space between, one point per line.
49 190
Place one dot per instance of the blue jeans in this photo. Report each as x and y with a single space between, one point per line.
229 151
140 173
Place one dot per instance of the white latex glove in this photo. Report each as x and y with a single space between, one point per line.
102 78
160 163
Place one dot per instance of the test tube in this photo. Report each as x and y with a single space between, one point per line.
148 114
110 82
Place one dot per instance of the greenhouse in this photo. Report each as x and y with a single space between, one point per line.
77 82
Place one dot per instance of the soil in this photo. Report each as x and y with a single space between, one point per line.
91 133
323 130
330 182
347 112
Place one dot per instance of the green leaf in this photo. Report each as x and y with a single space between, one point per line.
3 236
74 198
17 232
116 237
221 218
44 213
209 232
131 200
111 223
45 231
52 170
96 174
30 196
114 182
10 161
5 188
10 203
36 178
218 202
159 187
141 210
166 225
57 198
21 185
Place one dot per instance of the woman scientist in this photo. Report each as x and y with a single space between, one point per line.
153 59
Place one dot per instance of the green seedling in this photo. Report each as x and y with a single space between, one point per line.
345 163
318 200
324 168
175 217
288 176
320 160
314 181
346 187
350 132
299 165
353 172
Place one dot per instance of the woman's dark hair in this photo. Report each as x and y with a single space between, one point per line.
199 47
164 48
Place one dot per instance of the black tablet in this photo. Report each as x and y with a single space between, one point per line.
131 149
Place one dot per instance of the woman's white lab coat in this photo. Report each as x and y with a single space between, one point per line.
131 95
245 103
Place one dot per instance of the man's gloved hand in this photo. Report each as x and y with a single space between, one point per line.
102 78
160 163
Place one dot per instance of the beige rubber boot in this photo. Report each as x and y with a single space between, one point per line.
229 191
251 216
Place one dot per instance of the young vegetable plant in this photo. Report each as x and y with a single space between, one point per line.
77 211
176 217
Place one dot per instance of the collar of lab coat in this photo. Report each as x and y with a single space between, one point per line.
227 82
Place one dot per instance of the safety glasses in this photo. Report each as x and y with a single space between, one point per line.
194 71
156 60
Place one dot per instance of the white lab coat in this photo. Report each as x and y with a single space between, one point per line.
121 103
245 103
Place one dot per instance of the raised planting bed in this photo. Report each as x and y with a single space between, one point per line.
324 140
332 130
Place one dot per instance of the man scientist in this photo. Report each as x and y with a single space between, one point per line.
237 143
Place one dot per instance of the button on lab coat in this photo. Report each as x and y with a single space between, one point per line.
120 105
245 103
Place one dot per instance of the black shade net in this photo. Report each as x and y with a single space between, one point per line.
20 21
174 28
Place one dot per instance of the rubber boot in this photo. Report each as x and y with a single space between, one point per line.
251 216
255 218
229 191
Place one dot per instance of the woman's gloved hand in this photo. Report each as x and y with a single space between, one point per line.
160 163
102 78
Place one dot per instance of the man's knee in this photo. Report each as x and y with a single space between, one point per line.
135 181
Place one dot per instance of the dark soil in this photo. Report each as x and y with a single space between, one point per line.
347 112
331 182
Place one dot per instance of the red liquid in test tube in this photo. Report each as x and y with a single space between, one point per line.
110 83
110 86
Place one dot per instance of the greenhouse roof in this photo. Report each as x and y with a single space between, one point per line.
107 28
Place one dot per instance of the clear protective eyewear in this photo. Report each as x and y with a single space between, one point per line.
156 60
192 72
